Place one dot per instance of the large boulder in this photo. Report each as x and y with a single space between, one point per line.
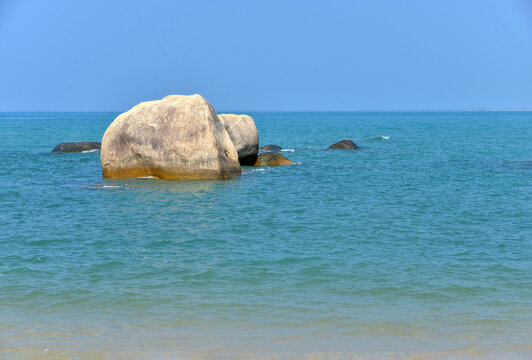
271 147
177 138
76 147
344 144
243 133
271 159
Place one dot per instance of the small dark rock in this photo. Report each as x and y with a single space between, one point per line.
271 147
271 159
76 147
344 144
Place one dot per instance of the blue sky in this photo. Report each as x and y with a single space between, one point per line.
109 55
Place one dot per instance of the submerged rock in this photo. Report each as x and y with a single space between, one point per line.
272 159
243 133
271 147
177 138
344 144
76 147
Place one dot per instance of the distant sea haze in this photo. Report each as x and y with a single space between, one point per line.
483 109
416 246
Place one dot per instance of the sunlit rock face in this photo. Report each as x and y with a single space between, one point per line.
271 159
243 132
344 144
177 138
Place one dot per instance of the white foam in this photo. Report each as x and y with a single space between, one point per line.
146 177
102 186
385 137
89 151
255 170
287 150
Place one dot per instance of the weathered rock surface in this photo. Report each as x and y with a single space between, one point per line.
243 133
76 147
177 138
271 159
271 147
344 144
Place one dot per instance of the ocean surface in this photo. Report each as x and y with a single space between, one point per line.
418 246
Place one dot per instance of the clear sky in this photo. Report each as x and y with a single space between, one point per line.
108 55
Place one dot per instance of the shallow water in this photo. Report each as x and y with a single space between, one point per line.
418 246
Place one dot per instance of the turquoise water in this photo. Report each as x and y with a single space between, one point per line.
418 246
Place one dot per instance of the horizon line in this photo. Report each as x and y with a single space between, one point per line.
258 111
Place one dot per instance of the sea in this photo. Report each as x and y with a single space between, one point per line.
416 246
